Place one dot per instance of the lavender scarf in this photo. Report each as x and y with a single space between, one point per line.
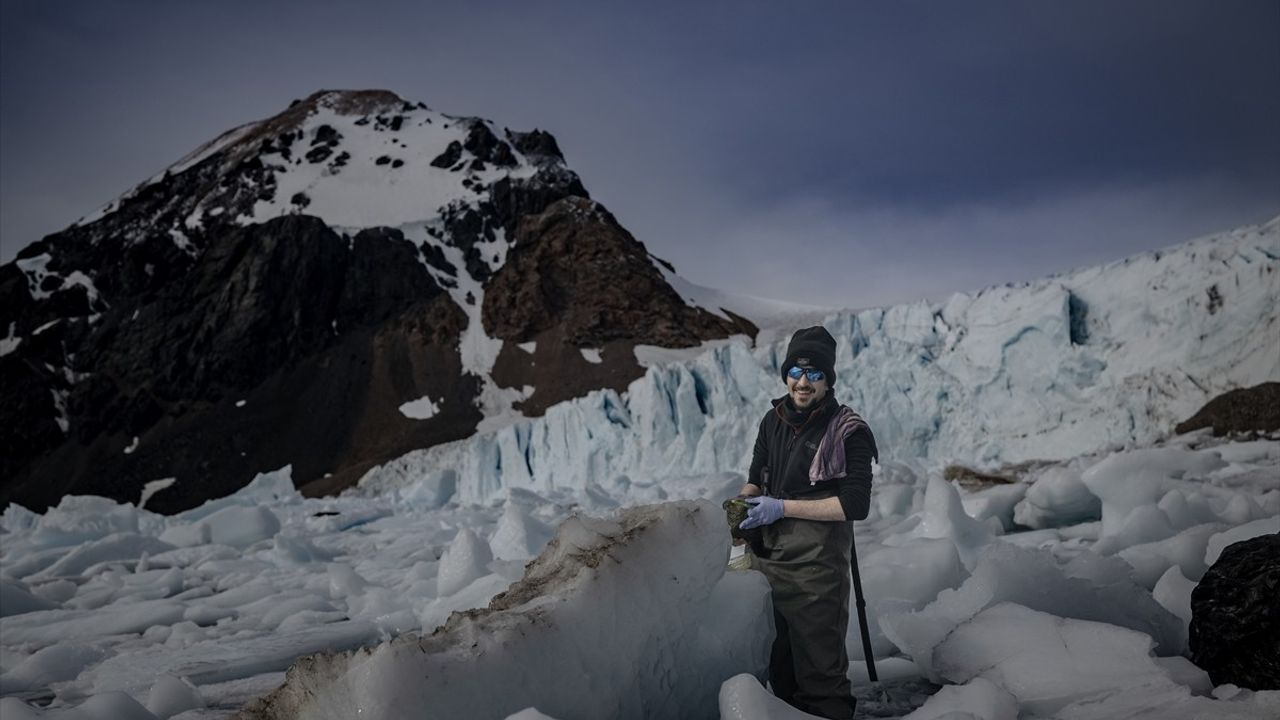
829 462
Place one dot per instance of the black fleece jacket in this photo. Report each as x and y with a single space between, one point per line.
785 445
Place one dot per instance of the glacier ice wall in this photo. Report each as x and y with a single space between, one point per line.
1095 359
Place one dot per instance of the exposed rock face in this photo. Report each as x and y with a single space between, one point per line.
1235 624
1243 410
313 333
574 279
202 328
573 266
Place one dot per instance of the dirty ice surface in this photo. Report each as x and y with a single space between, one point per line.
1000 602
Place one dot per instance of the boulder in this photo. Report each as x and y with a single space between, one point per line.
1237 411
1235 623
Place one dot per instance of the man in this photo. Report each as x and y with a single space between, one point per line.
810 476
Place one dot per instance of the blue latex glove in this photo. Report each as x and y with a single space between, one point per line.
765 511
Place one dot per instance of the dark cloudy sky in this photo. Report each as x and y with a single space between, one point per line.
827 152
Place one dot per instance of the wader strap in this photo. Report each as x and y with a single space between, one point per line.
862 609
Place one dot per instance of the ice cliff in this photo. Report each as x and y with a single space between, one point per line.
1099 358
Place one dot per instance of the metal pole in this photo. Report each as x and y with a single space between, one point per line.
862 610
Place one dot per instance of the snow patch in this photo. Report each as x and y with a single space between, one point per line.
421 409
154 487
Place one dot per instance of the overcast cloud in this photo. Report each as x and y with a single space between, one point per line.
828 152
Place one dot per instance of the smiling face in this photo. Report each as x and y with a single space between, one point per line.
805 394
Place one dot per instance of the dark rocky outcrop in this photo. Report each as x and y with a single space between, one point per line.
321 337
574 267
1255 409
974 480
507 203
575 279
486 147
536 145
1235 623
450 157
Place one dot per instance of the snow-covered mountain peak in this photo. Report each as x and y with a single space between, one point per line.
356 253
355 159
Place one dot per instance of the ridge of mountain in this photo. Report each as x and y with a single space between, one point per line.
325 288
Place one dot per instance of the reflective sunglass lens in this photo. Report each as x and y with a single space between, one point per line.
814 375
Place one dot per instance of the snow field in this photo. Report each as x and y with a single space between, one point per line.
100 611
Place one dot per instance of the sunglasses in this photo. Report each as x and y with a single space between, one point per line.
814 375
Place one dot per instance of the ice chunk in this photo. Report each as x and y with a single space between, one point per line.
742 697
1031 577
1057 497
1249 452
49 627
1187 508
432 491
240 527
891 500
518 536
1129 481
55 663
1172 701
1173 592
188 534
17 518
170 696
107 706
661 649
466 559
899 579
295 551
224 659
475 594
529 714
113 705
1185 550
1219 542
1240 509
271 488
979 698
56 592
996 502
16 598
81 518
1048 662
11 708
1144 524
345 582
116 547
1099 570
944 517
1184 672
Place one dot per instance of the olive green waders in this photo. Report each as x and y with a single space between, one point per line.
807 565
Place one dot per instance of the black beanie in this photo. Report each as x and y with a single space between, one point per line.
815 345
